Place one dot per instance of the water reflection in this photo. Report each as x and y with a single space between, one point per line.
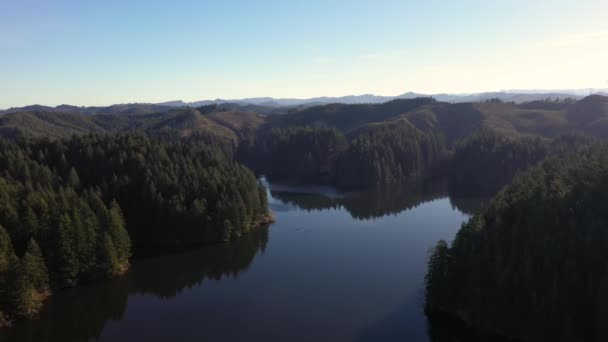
366 205
81 314
445 328
341 267
375 203
468 205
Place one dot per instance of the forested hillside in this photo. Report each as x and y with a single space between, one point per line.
301 154
533 264
479 146
122 109
345 117
65 124
486 161
387 153
70 209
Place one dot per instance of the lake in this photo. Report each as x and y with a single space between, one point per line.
333 267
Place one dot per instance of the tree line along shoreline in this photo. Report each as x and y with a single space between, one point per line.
78 209
77 206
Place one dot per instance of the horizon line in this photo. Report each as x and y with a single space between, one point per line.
522 91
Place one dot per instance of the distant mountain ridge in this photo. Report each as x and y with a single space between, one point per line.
517 96
128 108
241 122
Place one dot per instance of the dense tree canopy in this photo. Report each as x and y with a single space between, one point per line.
174 191
486 161
534 263
70 209
303 154
62 236
387 154
377 154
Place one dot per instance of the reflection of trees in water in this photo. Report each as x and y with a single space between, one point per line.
468 205
392 200
444 328
186 270
307 201
404 323
381 201
80 314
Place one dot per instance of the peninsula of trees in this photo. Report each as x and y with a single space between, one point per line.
76 209
533 265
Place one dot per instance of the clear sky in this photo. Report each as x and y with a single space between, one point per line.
103 52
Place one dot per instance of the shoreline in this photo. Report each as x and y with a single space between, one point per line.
6 322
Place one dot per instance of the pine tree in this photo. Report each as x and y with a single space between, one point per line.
6 251
67 261
8 263
106 256
33 265
87 244
226 233
30 283
119 235
30 222
437 271
73 179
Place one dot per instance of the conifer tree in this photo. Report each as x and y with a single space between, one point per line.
67 261
33 265
8 263
30 283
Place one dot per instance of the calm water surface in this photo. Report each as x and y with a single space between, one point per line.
332 268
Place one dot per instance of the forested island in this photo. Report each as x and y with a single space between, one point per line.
83 190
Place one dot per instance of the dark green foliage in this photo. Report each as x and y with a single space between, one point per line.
320 144
402 140
82 316
29 283
436 277
375 154
388 153
173 191
533 264
61 220
295 153
33 266
8 266
84 200
66 257
119 239
108 256
341 145
486 161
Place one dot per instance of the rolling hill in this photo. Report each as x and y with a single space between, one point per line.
544 119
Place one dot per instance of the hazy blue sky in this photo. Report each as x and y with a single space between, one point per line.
103 52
